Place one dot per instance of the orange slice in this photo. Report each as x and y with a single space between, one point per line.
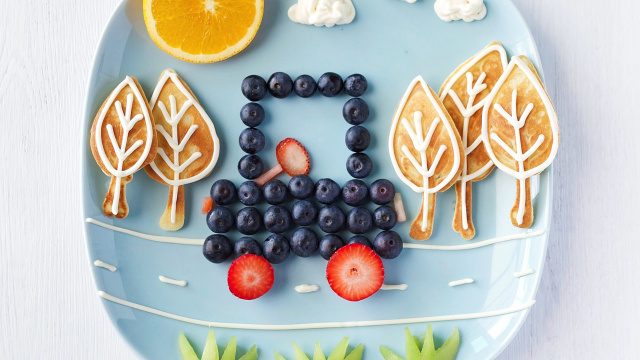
202 31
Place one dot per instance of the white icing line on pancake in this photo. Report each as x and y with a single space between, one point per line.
168 280
104 265
461 282
127 122
517 121
172 117
467 111
399 287
193 241
420 143
318 325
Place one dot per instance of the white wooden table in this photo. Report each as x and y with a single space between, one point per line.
588 302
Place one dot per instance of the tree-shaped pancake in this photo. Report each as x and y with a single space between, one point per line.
520 131
188 147
426 150
464 94
123 140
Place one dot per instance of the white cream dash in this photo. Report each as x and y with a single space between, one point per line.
319 325
461 282
522 273
415 246
168 280
399 287
306 288
104 265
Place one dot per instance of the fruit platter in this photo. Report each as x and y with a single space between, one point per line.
326 179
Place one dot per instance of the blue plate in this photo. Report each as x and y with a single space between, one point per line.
390 42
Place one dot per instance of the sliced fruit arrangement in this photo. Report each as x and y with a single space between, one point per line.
315 204
293 159
211 351
426 351
355 272
250 276
340 352
202 31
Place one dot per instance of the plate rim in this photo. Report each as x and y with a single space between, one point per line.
87 114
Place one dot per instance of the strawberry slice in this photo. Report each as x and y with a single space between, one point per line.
250 276
355 272
293 157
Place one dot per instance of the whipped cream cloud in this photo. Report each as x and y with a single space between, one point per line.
322 12
467 10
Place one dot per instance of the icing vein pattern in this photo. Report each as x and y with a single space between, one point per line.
121 147
168 126
523 140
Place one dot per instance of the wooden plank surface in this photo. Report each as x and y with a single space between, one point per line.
588 301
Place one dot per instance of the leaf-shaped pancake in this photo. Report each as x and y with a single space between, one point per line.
520 131
425 150
122 141
464 94
188 147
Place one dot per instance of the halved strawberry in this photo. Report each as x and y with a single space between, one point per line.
250 276
355 272
293 157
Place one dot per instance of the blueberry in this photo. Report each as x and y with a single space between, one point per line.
388 244
217 248
276 248
327 191
249 193
359 165
359 239
304 86
275 192
355 192
359 220
277 219
254 87
280 85
252 114
250 166
304 242
330 84
331 219
246 245
220 219
248 220
223 192
355 111
304 212
301 186
329 244
382 191
357 138
251 140
385 217
355 85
